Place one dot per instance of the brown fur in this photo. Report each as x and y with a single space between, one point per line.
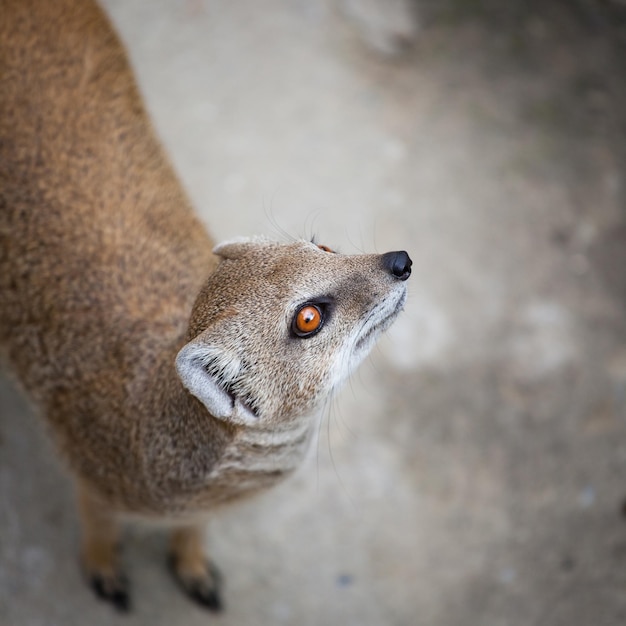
106 275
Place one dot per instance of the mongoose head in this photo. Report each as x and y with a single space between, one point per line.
277 327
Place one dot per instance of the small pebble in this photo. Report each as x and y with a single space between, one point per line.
507 575
345 580
587 497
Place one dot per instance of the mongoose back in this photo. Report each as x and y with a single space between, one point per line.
174 375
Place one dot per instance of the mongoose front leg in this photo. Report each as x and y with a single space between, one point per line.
197 576
100 551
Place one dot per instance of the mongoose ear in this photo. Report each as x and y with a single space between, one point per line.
235 248
208 384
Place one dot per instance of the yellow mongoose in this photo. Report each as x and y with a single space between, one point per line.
174 375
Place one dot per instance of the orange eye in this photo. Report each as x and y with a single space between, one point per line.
307 321
325 248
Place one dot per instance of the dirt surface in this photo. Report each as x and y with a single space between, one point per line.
474 470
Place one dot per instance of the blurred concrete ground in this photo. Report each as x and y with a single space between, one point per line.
473 472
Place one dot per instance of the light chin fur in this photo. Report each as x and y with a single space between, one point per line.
362 340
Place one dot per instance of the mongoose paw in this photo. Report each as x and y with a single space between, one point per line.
203 587
112 588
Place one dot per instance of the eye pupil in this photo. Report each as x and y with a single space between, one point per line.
307 320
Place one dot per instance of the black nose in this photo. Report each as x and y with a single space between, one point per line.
398 264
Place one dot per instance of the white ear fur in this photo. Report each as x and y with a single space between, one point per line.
233 248
191 364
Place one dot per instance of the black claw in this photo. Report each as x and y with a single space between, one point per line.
210 598
205 590
113 590
121 601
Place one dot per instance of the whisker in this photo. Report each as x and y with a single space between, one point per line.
334 465
271 218
323 412
341 422
309 225
360 248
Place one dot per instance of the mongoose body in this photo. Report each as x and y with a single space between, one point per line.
174 375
